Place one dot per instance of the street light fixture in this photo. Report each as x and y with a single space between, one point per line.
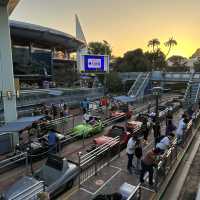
157 93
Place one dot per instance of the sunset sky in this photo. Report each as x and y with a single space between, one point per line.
125 24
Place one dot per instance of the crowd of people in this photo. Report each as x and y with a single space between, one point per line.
53 111
145 162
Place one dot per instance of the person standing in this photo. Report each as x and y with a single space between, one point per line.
180 129
138 153
86 117
145 130
52 141
130 149
169 116
170 127
148 163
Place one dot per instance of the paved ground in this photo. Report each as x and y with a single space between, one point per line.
192 181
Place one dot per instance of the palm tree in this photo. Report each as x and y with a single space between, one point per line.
154 43
170 43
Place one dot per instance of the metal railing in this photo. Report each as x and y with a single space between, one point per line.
197 94
170 156
189 86
136 194
168 76
12 161
92 162
145 81
130 92
31 193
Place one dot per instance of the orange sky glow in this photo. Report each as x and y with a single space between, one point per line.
125 24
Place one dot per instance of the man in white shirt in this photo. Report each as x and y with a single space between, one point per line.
165 142
86 117
130 149
179 131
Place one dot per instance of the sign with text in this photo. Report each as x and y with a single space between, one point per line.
94 63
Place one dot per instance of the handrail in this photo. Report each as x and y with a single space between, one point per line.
17 196
86 158
143 83
135 83
137 188
188 87
161 162
9 161
197 94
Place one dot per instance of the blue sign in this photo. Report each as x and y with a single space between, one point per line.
94 63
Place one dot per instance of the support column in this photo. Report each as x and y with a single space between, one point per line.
6 68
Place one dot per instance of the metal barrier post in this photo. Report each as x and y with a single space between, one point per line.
63 125
73 121
43 187
119 148
95 164
26 163
59 148
139 193
83 139
109 155
176 150
79 164
156 179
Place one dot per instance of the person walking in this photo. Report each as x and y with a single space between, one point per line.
148 163
130 149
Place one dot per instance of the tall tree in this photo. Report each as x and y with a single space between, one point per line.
132 61
100 48
153 44
114 83
157 59
170 43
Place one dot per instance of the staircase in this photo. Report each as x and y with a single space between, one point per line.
192 93
138 88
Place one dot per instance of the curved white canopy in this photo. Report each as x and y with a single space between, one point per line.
11 4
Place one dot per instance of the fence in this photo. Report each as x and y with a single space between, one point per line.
31 193
136 194
95 160
13 161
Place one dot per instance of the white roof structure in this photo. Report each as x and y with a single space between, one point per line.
11 4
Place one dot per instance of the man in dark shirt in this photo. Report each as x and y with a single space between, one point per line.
52 141
147 164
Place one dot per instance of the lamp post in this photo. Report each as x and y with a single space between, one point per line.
157 93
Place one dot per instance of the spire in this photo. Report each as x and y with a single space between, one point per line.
79 31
